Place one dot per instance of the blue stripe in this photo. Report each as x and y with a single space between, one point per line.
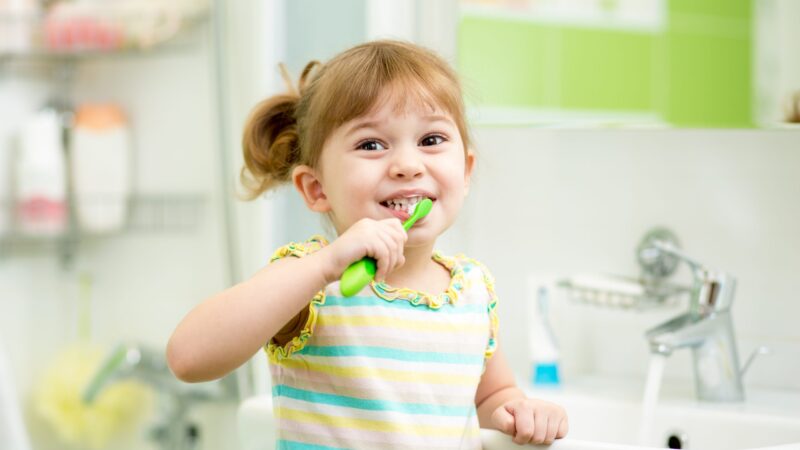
390 353
331 300
283 390
294 445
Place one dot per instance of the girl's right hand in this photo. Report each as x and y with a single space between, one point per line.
382 240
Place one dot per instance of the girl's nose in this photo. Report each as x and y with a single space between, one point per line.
406 164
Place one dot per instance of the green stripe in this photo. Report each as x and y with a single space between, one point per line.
282 390
331 300
389 353
294 445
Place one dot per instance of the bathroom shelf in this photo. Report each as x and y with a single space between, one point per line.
613 291
104 30
151 213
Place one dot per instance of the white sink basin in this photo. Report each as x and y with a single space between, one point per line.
606 414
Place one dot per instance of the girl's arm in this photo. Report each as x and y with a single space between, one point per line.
503 406
226 330
497 386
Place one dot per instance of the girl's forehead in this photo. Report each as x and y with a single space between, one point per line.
389 106
406 96
388 114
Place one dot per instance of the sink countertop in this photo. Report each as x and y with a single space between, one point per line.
758 401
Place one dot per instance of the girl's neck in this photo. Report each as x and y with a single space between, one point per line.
420 272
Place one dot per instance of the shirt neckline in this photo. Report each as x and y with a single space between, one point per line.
416 298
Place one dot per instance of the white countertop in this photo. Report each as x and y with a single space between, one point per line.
758 401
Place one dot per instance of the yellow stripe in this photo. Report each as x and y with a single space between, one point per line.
372 425
384 374
392 322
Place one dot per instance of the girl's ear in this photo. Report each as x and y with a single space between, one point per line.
308 184
469 166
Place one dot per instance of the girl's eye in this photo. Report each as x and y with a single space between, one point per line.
433 139
370 146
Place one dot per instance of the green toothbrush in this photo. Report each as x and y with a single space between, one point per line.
361 272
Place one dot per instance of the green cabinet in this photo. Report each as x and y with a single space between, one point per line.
693 70
709 63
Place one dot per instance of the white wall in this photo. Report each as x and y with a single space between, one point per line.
578 201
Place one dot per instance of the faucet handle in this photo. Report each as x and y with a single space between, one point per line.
714 291
654 262
760 350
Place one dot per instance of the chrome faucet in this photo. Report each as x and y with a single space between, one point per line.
706 328
173 430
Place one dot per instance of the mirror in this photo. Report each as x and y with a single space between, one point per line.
650 63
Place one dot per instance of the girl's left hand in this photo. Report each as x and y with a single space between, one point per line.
531 421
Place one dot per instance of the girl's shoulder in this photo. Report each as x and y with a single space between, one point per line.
472 267
300 249
474 273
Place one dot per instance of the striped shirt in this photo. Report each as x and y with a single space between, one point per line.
387 368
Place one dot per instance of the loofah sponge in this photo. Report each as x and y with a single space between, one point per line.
119 407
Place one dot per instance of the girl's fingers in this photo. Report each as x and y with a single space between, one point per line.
395 237
385 243
540 431
391 248
523 420
563 428
398 234
503 421
552 430
383 256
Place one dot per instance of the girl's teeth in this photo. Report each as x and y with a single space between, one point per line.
404 204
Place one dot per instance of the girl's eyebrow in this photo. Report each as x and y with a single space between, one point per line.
376 123
363 124
438 118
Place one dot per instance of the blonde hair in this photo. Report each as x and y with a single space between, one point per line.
290 129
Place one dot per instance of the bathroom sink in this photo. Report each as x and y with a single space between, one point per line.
606 414
610 411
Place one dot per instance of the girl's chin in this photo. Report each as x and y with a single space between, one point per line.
420 238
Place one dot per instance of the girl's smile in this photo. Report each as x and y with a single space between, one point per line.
401 203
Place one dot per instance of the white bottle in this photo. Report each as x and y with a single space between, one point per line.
41 189
543 345
101 179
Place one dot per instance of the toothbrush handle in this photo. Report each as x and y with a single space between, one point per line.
358 275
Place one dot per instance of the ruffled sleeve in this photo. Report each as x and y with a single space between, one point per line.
491 308
276 352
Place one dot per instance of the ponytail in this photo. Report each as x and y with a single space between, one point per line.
271 144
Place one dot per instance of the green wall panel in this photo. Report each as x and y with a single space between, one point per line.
504 63
608 70
694 72
530 64
709 79
709 82
729 9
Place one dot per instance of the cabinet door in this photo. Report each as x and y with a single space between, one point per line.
682 62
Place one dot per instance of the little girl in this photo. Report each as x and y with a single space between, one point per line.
411 361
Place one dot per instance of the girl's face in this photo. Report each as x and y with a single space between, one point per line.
376 165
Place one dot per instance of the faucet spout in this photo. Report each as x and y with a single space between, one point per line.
706 329
686 330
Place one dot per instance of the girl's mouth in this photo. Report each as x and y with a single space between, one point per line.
402 207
